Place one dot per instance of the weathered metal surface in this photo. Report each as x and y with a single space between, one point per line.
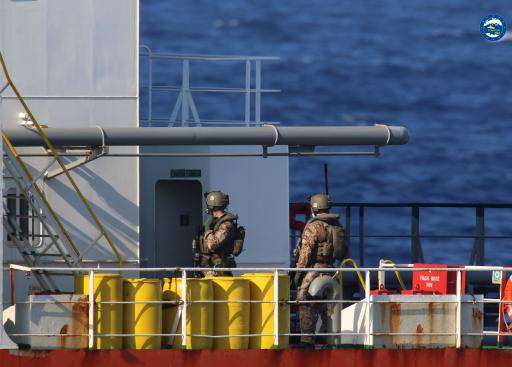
64 318
414 321
429 321
449 357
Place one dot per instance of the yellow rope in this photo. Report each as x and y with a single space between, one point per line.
54 153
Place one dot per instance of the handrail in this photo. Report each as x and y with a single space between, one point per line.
473 268
54 153
185 101
366 335
424 205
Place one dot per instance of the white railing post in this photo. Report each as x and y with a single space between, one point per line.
184 310
247 92
458 342
257 102
150 87
367 314
276 309
381 276
185 90
91 310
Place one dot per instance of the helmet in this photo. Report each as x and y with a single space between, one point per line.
216 199
320 202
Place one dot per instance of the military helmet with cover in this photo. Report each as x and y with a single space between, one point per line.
320 202
216 199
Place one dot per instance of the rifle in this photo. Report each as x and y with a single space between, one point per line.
196 250
295 275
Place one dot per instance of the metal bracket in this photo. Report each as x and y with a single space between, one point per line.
264 152
91 155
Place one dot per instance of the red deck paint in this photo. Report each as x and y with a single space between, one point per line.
449 357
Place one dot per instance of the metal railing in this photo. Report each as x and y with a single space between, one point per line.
368 301
185 107
476 257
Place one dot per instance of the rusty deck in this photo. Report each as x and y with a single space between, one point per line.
448 357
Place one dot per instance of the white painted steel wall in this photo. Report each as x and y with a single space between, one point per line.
76 63
414 315
258 191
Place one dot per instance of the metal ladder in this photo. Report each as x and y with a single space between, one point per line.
26 250
61 244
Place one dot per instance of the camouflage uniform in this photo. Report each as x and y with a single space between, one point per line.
217 241
314 233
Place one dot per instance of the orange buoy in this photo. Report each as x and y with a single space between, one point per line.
507 307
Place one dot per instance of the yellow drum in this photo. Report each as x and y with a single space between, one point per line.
231 318
108 318
262 314
199 315
79 283
140 318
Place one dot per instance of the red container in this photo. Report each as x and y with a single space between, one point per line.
436 281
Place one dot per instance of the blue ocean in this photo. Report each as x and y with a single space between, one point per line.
422 64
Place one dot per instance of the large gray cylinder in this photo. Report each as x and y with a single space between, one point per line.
267 135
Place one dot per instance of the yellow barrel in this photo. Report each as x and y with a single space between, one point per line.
140 318
262 314
231 318
79 283
108 318
199 315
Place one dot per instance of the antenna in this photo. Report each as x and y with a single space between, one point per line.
326 179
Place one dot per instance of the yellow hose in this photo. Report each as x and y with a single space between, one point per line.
398 276
354 265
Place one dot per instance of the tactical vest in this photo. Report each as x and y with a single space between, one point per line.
234 245
334 246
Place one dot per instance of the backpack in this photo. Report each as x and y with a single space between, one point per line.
236 246
335 243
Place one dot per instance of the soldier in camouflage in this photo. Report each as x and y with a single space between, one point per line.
218 235
322 242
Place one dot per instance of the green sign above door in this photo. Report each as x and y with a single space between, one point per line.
185 173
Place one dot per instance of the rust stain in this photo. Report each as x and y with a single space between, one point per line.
383 312
477 319
431 321
63 336
31 353
477 314
419 331
79 324
394 322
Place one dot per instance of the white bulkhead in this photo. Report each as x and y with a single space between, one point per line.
76 64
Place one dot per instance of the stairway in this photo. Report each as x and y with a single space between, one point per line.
58 244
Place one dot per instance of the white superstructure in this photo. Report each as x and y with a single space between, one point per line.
76 64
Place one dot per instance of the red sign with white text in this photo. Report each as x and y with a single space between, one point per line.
436 281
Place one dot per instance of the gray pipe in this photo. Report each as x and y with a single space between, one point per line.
267 135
